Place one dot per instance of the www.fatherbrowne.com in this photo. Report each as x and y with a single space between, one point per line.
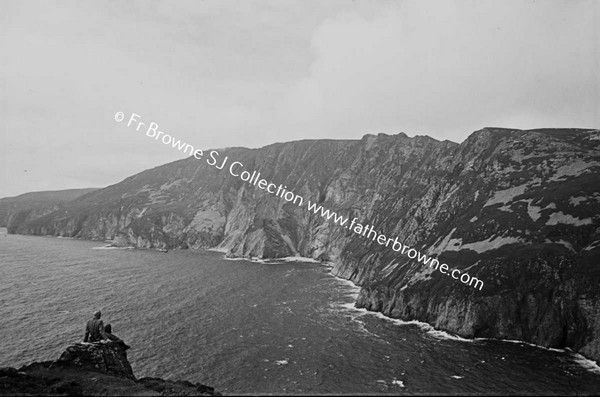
369 232
236 169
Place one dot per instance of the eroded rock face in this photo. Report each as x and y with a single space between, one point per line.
107 357
519 210
92 369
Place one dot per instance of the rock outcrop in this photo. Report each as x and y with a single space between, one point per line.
110 358
92 369
519 210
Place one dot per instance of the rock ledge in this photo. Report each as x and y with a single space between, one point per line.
92 369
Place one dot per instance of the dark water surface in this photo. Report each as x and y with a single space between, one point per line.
247 327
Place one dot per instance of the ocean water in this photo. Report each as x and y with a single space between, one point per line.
255 328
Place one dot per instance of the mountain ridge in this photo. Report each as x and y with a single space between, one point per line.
32 205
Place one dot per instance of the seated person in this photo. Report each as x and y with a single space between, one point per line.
108 335
94 329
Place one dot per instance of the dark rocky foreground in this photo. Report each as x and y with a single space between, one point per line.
517 209
92 369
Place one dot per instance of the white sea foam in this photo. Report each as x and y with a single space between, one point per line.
349 307
299 259
429 329
394 382
586 363
253 260
445 335
272 261
520 342
424 326
352 292
347 283
261 260
109 247
221 250
362 328
237 259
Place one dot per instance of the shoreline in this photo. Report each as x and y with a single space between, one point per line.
587 363
270 261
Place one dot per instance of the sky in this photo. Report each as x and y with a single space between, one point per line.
250 73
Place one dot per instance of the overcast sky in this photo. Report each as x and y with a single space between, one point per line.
250 73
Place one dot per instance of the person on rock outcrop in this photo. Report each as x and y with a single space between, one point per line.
94 329
108 334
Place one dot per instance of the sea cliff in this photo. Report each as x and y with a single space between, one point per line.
517 209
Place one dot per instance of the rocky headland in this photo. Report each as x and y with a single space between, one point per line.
517 209
29 206
92 369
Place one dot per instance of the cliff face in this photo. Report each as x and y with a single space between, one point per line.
29 206
92 369
516 209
